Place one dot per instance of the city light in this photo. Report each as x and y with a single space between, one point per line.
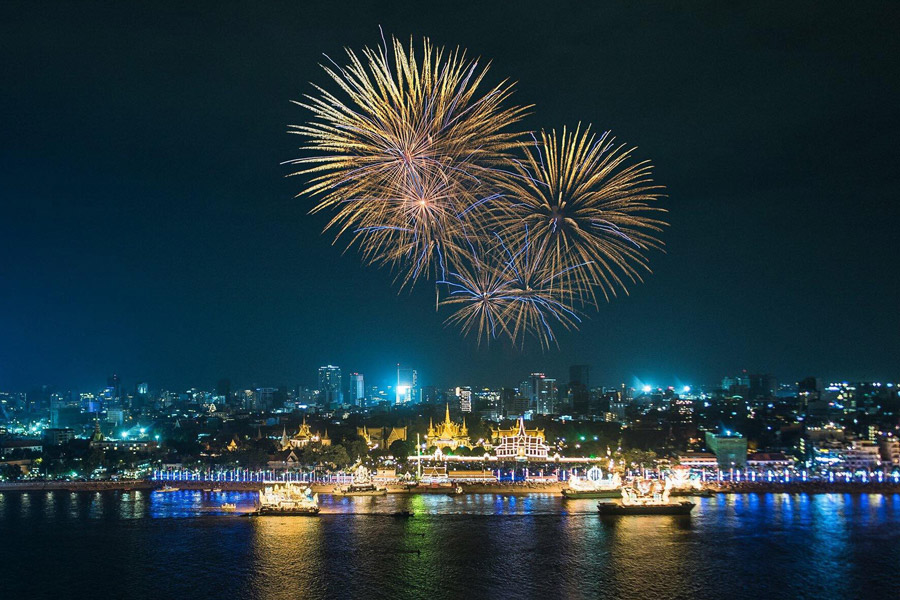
647 389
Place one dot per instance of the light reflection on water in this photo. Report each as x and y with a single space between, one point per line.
480 546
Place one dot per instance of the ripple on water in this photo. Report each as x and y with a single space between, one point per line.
149 545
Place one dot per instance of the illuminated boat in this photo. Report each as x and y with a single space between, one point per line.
362 485
287 499
593 485
646 497
166 489
684 483
229 507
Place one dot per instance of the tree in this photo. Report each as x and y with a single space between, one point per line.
11 472
401 449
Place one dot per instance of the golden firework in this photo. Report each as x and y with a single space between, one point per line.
581 199
513 293
405 154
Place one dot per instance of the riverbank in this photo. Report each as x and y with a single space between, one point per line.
512 489
803 487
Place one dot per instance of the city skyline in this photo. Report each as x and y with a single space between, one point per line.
186 257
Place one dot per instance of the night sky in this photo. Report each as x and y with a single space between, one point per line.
147 227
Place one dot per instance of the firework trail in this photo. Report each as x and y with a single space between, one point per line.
420 166
583 200
409 149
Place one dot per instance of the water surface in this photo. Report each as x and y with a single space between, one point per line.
151 545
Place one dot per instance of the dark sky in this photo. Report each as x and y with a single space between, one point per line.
147 228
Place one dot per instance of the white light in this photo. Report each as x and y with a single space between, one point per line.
686 389
647 389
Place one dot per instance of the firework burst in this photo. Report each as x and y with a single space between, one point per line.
583 200
512 293
408 150
417 162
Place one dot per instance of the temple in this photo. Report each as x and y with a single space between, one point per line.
447 434
519 443
381 437
303 437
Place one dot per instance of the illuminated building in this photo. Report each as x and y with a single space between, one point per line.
330 389
465 399
730 449
698 460
519 443
303 437
862 454
357 389
448 434
381 437
762 461
407 385
890 451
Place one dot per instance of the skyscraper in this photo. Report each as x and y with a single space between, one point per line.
357 389
407 385
579 389
542 393
330 388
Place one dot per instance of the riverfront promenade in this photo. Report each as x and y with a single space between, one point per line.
507 488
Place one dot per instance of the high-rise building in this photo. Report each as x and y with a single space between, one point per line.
330 388
542 393
531 389
465 399
265 398
548 397
579 389
761 385
407 385
357 389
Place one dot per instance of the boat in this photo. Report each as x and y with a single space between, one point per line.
593 485
287 499
671 508
216 490
229 507
686 483
362 485
646 497
166 488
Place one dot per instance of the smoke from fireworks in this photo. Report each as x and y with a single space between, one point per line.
419 165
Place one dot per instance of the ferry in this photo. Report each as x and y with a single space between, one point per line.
646 497
593 485
287 499
166 488
229 507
